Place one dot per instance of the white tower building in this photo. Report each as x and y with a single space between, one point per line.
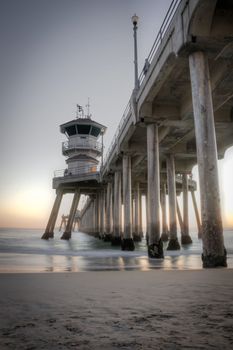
83 148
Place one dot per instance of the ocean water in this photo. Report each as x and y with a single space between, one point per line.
23 250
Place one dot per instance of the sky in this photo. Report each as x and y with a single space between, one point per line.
55 54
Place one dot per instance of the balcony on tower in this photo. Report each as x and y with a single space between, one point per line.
82 136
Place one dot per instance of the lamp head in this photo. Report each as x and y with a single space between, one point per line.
135 19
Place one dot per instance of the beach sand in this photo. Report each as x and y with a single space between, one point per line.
117 310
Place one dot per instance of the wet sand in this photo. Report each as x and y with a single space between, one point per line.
117 310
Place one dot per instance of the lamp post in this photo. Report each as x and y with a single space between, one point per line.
135 19
102 148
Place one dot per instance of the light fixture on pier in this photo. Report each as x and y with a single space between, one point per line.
135 20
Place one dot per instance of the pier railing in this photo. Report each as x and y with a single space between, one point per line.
81 144
80 171
122 123
158 40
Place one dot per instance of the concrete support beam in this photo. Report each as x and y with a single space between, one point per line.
214 252
116 239
133 215
90 218
97 214
137 215
85 222
140 215
185 237
76 224
127 241
67 234
173 241
196 214
102 213
94 216
155 244
164 235
179 217
63 222
108 231
49 231
146 203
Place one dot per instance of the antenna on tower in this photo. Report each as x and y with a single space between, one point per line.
79 112
88 108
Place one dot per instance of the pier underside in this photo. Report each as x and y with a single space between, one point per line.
180 115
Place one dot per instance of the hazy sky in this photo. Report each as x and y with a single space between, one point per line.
54 54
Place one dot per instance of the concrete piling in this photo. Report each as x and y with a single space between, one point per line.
173 241
67 234
127 242
196 214
137 207
179 216
49 231
102 213
185 237
164 235
214 253
116 239
108 233
155 244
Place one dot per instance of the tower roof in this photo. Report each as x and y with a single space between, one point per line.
82 125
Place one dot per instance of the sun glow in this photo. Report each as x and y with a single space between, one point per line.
28 207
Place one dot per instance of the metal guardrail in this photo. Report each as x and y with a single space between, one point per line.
117 133
158 40
81 171
82 144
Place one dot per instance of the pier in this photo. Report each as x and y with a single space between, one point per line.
180 114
